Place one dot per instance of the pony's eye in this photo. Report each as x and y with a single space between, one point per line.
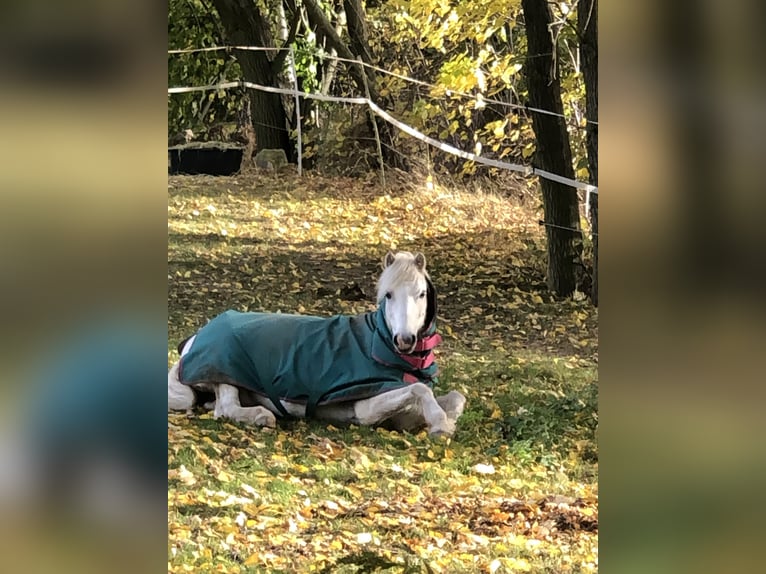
422 294
388 295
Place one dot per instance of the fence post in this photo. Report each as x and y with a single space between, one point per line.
297 111
374 123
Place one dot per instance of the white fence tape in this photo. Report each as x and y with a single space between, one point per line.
287 91
389 73
227 48
525 169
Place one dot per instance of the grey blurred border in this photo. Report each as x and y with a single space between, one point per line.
682 204
83 180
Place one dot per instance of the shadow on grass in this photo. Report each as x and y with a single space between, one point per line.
369 561
235 272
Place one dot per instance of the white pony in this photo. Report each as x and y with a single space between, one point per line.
372 369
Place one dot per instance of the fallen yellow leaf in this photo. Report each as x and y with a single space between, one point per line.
253 559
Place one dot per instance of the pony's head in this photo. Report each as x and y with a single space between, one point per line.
404 286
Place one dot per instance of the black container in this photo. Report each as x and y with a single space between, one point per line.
209 159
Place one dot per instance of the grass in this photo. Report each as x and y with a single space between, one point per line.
514 490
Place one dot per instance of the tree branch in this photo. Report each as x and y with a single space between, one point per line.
318 18
276 63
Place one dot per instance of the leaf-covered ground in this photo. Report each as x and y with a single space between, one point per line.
514 490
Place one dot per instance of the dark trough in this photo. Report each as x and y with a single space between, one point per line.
210 158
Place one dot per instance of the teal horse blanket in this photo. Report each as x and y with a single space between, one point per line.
307 359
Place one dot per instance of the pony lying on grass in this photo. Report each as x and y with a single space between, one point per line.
376 368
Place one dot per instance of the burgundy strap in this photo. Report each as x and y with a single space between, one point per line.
429 342
419 362
410 378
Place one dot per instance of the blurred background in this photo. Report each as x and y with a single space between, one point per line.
682 315
82 286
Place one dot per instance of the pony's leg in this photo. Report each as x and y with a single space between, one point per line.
227 405
452 404
416 399
180 396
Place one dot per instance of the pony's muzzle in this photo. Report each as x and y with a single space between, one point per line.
405 343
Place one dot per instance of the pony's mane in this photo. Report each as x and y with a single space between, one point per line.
402 270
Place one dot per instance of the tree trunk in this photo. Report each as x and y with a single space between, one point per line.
359 46
554 153
325 29
587 23
245 26
356 23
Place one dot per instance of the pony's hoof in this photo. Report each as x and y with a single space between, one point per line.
271 422
259 417
265 419
445 430
454 403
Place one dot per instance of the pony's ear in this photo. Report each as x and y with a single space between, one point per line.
388 259
420 261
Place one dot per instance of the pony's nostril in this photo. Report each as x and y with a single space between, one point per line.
404 341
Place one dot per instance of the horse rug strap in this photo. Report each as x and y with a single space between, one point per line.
306 359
